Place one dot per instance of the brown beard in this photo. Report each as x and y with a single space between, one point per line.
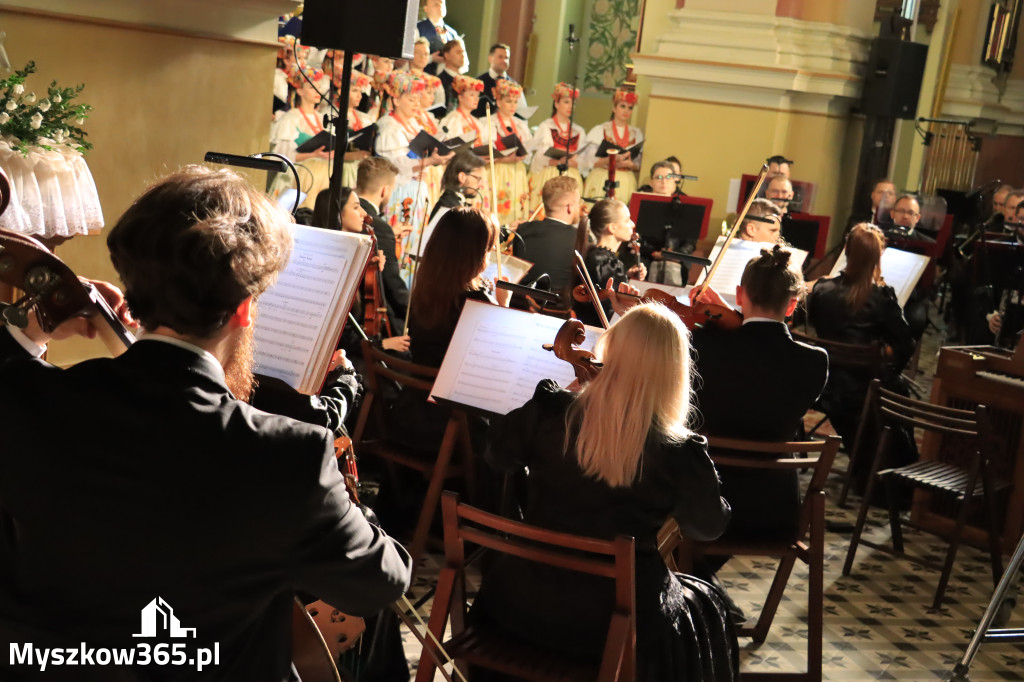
238 369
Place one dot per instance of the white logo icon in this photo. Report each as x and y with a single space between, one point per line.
158 616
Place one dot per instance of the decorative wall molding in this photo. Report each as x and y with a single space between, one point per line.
972 94
239 20
757 60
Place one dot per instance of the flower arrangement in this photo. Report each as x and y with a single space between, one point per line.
34 121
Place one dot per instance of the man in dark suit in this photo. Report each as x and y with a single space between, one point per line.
453 60
549 243
195 505
757 383
497 58
375 180
438 33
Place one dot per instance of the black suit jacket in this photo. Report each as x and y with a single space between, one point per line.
448 199
549 245
451 100
143 477
486 96
436 40
757 383
395 290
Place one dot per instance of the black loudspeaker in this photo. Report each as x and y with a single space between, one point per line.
892 83
386 28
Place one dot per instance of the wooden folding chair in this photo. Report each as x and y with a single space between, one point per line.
437 466
479 646
807 545
869 359
963 484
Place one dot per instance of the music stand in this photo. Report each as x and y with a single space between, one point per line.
661 220
806 232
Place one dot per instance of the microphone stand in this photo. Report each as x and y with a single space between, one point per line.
563 167
340 132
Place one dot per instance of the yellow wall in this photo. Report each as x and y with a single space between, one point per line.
718 142
161 101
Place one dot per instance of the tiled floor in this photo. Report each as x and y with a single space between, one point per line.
879 624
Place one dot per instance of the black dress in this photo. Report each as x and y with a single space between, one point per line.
880 318
683 631
602 264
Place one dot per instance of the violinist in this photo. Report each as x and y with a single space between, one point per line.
618 457
375 183
454 260
353 218
856 306
779 381
611 226
209 505
549 243
464 179
758 231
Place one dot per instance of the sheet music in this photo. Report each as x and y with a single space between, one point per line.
900 269
513 268
730 270
496 358
301 316
682 294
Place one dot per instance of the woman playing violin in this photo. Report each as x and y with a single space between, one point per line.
616 458
611 226
856 306
352 218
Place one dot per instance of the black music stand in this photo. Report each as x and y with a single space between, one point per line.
664 221
806 232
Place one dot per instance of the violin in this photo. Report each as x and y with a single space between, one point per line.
566 347
375 309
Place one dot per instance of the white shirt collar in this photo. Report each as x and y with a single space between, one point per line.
494 74
451 73
760 319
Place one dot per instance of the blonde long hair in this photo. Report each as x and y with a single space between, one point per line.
645 384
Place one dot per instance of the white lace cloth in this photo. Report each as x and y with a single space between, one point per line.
52 192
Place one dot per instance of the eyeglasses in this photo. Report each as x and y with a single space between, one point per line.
662 177
905 211
478 178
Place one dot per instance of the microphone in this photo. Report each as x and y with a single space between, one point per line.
677 176
273 166
572 40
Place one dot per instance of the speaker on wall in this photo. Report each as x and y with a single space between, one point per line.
892 83
386 28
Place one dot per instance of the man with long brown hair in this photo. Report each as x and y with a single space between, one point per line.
160 485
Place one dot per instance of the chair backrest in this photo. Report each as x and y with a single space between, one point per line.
853 356
614 559
753 454
381 366
893 409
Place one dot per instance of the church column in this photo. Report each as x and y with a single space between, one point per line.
732 82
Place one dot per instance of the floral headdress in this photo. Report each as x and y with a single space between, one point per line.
431 81
624 94
360 81
507 88
463 83
565 90
402 83
296 80
301 51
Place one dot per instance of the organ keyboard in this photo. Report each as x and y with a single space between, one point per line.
967 376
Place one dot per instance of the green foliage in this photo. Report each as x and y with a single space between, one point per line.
611 40
34 121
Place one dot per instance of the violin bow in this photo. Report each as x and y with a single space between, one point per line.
581 267
419 250
703 286
494 188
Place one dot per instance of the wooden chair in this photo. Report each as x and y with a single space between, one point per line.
478 646
436 467
855 357
963 484
807 545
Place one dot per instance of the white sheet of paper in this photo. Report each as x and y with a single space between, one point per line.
513 268
301 315
496 357
734 193
730 270
900 269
